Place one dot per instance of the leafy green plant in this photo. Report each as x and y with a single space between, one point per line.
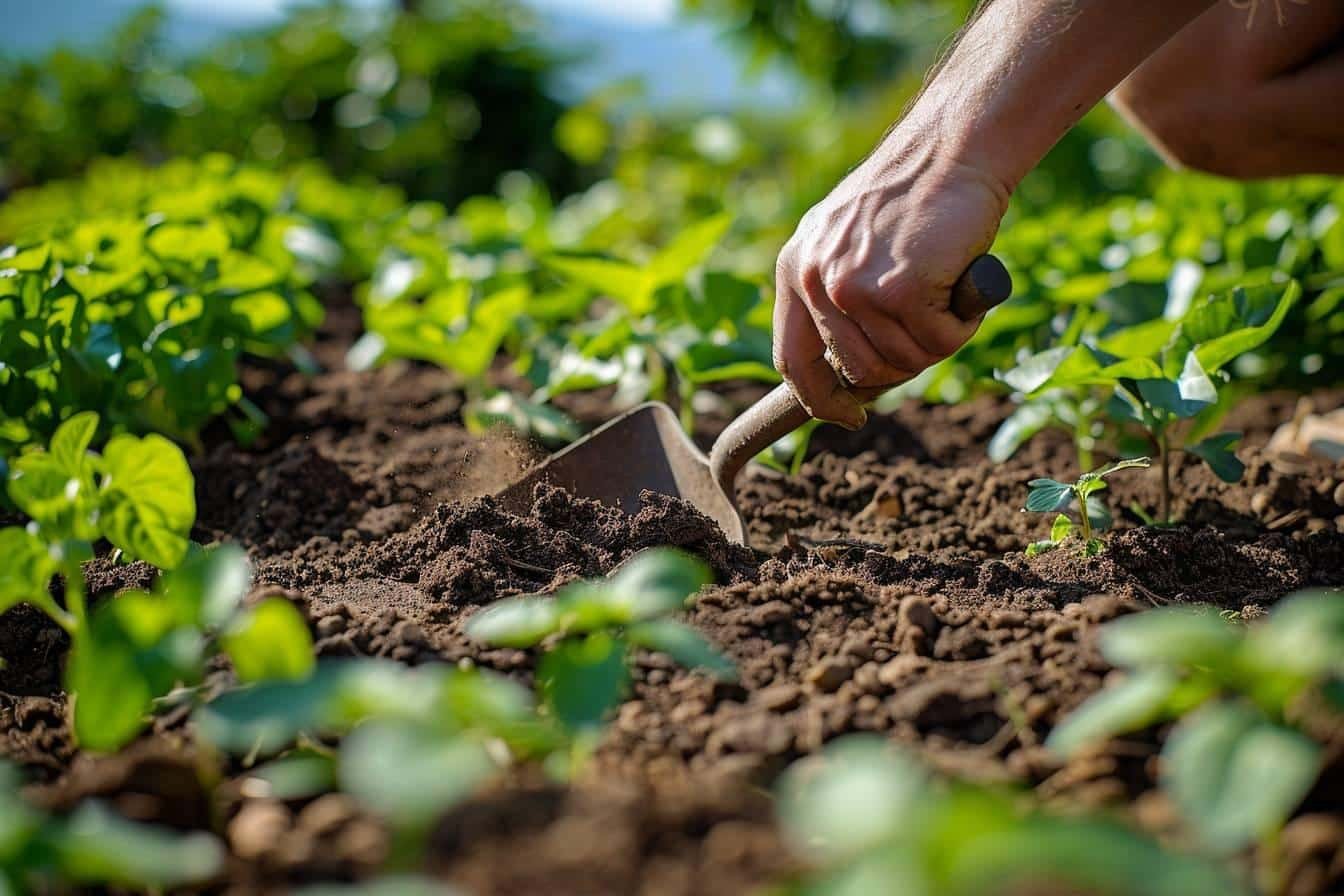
1239 760
94 846
134 649
1052 496
1158 374
415 741
867 819
135 295
398 93
591 627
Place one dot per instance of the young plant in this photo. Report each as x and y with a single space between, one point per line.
1052 496
136 648
867 819
1157 375
417 741
1237 763
591 628
95 848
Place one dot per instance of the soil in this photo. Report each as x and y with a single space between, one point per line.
888 592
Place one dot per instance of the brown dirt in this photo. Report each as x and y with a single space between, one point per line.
888 593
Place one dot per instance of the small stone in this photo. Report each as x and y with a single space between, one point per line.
410 633
1339 494
256 829
770 613
917 613
1260 503
901 669
858 648
829 674
780 697
330 625
327 814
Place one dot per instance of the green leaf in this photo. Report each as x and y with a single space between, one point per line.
149 499
856 796
656 582
1170 636
689 249
1061 528
26 571
70 443
1304 634
270 641
1048 495
1184 397
627 284
1135 703
63 502
410 773
1035 372
1235 775
583 680
112 694
209 585
1025 421
1216 451
684 644
1211 325
516 621
96 846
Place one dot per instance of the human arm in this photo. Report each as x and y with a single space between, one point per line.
869 271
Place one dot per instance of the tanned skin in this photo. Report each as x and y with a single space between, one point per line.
867 275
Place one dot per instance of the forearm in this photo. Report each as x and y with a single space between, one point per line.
1025 71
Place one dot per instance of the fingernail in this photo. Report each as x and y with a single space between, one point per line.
856 422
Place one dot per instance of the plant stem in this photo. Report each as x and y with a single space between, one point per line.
1085 520
74 595
1166 475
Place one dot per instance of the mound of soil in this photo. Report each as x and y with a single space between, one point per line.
888 593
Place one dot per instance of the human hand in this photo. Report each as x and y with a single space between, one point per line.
868 274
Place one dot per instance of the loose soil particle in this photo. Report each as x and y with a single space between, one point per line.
889 594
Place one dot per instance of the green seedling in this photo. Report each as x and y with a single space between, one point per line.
131 651
417 741
591 627
865 818
94 848
1158 375
142 313
1237 763
1052 496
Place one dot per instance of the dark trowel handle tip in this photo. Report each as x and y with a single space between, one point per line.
984 284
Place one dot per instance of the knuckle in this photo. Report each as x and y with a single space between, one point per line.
850 296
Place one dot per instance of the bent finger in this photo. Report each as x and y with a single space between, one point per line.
800 357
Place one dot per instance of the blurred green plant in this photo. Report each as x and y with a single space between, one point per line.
591 628
1241 757
867 819
135 292
415 741
132 651
93 847
441 100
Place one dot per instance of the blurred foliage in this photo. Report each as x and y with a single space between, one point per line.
845 46
134 291
441 101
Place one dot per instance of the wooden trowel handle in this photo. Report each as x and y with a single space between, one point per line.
983 285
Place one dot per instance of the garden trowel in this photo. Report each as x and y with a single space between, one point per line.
646 447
